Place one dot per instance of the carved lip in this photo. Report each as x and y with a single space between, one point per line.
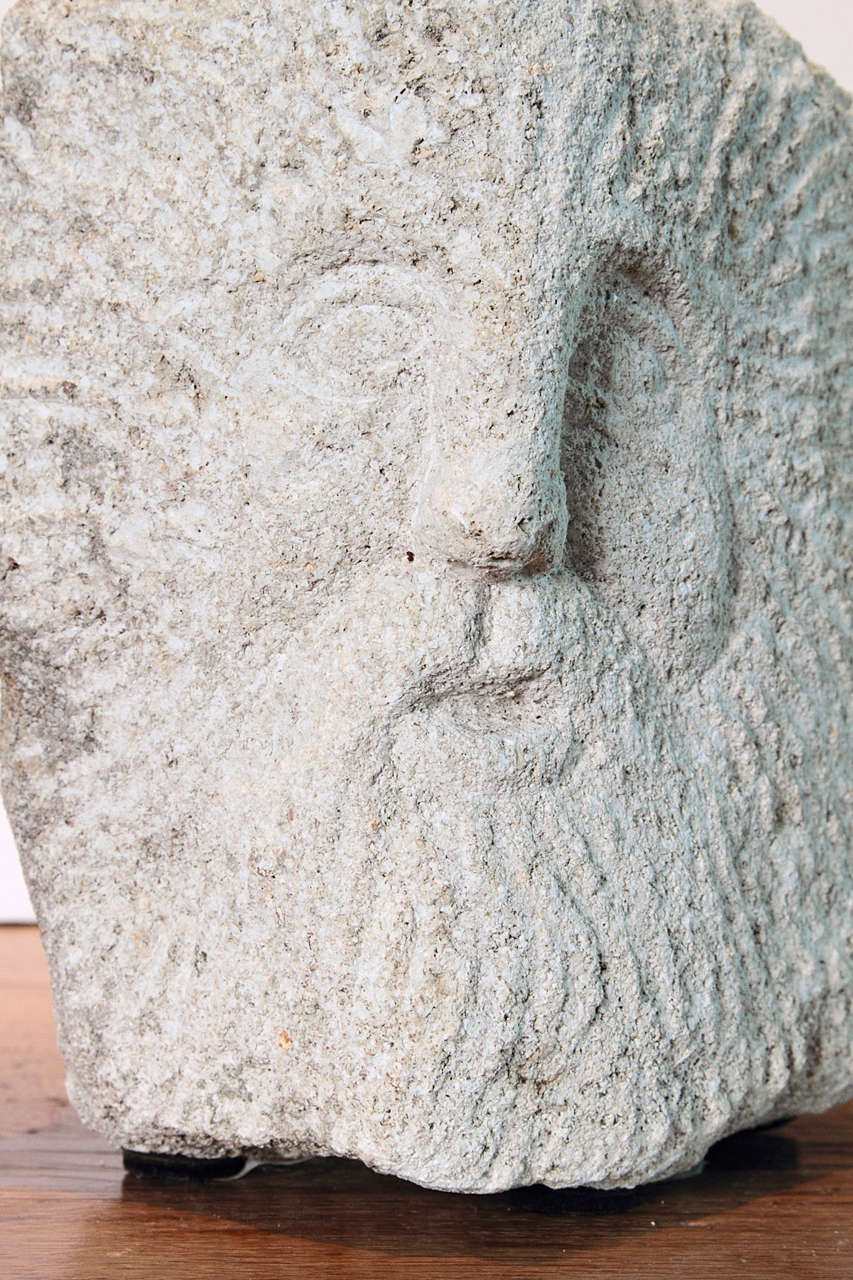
491 702
522 703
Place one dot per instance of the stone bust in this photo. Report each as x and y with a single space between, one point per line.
424 595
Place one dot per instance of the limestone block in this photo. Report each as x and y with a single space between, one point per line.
425 609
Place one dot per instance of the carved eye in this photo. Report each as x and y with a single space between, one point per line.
343 355
649 527
313 403
351 336
350 351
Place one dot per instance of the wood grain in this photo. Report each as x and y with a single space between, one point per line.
776 1203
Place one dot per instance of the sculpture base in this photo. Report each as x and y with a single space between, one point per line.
773 1124
153 1164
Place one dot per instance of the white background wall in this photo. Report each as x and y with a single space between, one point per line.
825 29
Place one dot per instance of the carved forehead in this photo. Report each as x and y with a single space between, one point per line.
528 130
488 87
420 116
501 141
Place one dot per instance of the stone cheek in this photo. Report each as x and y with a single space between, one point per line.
425 511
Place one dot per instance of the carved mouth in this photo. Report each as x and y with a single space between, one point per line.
523 703
510 675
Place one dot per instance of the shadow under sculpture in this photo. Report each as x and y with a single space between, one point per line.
423 621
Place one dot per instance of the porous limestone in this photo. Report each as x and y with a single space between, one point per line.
423 623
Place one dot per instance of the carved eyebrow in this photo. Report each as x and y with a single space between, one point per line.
331 259
387 280
334 257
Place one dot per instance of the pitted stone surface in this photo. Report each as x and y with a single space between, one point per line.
425 642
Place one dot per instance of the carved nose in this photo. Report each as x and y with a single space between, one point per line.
493 499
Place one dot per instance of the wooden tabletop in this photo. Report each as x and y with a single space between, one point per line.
777 1203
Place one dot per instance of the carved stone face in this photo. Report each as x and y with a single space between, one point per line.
424 520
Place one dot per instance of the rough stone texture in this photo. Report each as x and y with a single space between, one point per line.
425 640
